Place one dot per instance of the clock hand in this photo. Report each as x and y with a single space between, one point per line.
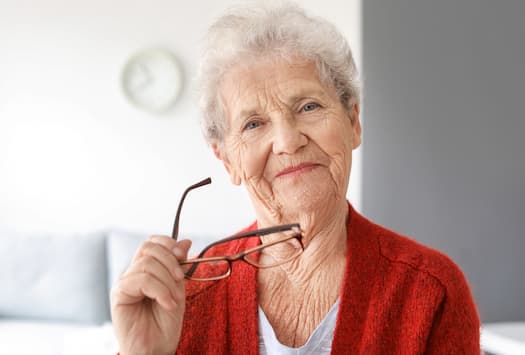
142 79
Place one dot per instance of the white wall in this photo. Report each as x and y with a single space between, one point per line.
75 155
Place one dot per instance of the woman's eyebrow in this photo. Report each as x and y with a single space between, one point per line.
291 99
246 113
308 92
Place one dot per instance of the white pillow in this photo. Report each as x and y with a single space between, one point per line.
54 277
120 250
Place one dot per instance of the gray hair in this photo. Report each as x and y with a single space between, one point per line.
281 31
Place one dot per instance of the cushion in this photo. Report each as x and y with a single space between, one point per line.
54 277
121 246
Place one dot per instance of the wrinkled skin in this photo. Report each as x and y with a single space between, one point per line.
289 142
280 116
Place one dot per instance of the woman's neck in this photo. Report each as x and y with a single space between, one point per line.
297 295
315 221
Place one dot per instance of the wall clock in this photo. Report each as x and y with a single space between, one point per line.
152 80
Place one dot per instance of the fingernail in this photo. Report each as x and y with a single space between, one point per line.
179 254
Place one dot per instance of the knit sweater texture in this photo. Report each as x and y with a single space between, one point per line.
398 297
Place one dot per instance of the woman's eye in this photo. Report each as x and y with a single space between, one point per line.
310 106
252 125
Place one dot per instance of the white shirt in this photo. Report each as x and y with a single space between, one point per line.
319 343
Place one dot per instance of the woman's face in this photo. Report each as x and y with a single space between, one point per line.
289 138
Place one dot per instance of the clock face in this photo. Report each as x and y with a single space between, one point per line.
152 80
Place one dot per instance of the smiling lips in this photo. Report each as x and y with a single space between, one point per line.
296 170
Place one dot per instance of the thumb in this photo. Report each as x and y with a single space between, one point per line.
181 249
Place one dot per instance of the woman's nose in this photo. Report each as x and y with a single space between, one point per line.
287 137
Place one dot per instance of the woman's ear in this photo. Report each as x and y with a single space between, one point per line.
356 125
219 153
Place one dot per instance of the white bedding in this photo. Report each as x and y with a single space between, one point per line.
43 338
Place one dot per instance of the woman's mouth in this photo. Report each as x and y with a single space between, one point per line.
296 170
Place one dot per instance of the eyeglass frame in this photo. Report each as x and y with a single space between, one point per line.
239 256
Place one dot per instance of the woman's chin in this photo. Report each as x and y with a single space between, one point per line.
305 197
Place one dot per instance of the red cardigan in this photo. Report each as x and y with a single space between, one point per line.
398 297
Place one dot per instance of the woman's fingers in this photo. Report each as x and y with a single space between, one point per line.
178 248
155 273
162 255
150 297
151 265
135 287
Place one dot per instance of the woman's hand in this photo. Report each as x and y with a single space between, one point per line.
147 304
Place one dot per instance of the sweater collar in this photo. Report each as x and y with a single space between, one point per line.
361 267
361 264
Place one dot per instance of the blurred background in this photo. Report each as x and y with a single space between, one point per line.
444 154
75 154
85 174
442 158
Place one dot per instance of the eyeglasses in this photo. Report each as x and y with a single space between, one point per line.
284 244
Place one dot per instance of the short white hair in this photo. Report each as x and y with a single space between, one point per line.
280 30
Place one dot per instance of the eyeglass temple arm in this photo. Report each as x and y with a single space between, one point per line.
175 233
259 232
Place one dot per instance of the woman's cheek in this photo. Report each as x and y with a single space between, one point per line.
233 157
339 151
249 162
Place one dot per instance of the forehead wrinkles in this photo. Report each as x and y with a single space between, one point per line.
256 87
269 98
262 96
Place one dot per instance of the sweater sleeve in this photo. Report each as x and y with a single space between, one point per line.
456 326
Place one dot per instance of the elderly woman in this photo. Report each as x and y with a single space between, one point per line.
281 111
